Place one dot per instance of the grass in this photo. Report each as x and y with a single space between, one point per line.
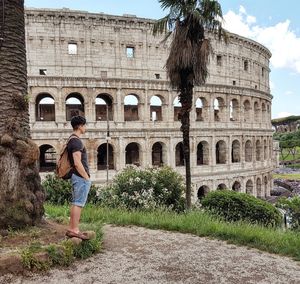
289 157
198 223
287 176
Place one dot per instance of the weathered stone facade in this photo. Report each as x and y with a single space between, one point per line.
87 63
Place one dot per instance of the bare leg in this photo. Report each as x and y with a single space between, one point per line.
74 218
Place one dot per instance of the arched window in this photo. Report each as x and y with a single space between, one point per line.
201 113
131 108
179 155
265 186
257 114
248 151
247 109
237 186
44 108
74 105
102 157
221 152
249 187
104 107
47 158
236 152
234 110
218 109
258 151
132 154
203 153
177 109
158 154
221 186
258 187
156 108
202 191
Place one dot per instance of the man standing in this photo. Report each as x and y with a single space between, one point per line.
80 176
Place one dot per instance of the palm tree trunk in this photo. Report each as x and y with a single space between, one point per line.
186 99
21 194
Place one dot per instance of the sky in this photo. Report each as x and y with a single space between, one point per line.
275 24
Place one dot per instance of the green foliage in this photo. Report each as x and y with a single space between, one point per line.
292 207
136 188
59 191
87 248
30 260
234 206
61 254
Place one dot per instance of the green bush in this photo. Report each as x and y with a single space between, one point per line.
136 188
292 208
234 206
59 191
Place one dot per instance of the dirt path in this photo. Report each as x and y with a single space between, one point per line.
138 255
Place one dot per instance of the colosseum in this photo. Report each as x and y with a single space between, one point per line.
111 70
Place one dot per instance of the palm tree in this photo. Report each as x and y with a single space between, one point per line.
21 194
188 21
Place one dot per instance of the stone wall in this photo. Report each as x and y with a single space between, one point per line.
86 59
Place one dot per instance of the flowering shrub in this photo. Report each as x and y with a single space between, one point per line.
136 188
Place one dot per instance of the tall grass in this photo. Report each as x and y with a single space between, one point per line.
195 222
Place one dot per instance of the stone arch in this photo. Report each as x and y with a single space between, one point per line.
222 186
104 107
237 186
201 105
265 186
74 105
131 107
203 153
221 152
258 150
249 187
47 161
156 108
179 157
236 151
132 154
219 106
102 157
247 111
159 152
258 187
248 151
257 112
44 107
202 191
177 109
234 110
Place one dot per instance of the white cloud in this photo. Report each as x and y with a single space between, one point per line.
279 38
283 114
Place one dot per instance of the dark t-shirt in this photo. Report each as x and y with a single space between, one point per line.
75 145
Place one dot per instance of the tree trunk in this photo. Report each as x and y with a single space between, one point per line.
186 99
21 194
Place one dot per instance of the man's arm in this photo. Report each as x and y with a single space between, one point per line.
78 165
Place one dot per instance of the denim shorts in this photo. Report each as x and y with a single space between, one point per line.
81 188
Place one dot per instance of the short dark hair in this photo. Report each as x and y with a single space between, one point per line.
76 121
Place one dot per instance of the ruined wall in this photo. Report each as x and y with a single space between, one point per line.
92 57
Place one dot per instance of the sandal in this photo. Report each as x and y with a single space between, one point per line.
79 235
